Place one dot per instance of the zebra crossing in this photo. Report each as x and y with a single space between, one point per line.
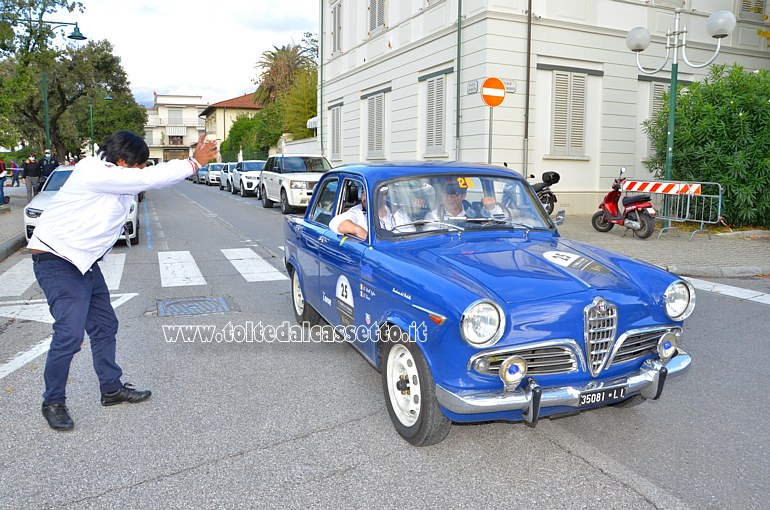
175 269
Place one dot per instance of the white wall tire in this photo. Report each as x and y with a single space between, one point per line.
303 312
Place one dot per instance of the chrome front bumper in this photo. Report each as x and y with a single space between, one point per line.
648 381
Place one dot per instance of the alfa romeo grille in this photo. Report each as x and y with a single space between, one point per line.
542 360
636 344
600 327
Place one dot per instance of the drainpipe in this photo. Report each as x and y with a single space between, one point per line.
525 167
459 67
321 82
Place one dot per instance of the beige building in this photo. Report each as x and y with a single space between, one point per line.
219 117
402 80
173 126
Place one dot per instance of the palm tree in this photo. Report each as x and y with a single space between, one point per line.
279 66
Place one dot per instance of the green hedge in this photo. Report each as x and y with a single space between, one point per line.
722 134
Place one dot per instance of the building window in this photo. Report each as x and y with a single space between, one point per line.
148 137
376 15
175 140
569 101
434 116
336 28
336 114
375 123
656 105
752 10
175 117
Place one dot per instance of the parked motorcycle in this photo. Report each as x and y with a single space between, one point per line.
637 214
543 190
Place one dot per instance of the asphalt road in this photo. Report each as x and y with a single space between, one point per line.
255 424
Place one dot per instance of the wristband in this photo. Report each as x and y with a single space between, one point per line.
195 163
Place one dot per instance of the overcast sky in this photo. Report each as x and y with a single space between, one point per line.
193 47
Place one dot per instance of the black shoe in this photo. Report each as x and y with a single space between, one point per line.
125 394
58 416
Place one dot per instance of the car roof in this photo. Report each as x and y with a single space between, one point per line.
296 156
374 172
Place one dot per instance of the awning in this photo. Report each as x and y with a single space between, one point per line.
312 123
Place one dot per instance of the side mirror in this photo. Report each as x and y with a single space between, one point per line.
560 214
622 170
531 176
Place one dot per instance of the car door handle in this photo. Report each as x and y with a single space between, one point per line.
322 239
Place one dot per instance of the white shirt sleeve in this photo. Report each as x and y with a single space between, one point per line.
102 177
354 214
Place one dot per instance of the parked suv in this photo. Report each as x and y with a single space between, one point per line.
290 179
225 175
245 177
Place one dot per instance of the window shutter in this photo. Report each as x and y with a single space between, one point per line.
656 104
434 129
376 14
336 133
752 9
560 113
577 115
375 125
336 28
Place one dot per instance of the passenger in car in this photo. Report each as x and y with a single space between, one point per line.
454 205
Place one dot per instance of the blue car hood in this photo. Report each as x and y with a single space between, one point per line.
518 270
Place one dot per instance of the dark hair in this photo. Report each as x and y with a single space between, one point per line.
124 145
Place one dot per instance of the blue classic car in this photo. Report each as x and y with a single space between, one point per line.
471 305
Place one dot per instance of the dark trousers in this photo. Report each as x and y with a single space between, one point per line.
77 303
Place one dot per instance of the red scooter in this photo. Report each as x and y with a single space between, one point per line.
637 214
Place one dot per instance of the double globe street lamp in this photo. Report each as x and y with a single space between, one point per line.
719 25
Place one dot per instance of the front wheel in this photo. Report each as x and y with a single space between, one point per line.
548 202
648 225
243 190
600 222
286 208
410 393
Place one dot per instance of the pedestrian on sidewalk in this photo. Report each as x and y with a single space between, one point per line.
3 176
15 173
47 165
97 198
31 175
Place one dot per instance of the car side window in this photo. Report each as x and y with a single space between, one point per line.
322 210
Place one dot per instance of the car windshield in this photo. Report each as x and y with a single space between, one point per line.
55 181
252 166
293 164
457 202
216 166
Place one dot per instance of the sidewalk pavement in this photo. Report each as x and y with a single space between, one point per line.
12 221
726 256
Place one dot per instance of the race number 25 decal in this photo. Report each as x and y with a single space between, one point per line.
345 303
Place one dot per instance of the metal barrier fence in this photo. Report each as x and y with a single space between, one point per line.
681 202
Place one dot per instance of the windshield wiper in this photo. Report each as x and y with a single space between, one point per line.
421 223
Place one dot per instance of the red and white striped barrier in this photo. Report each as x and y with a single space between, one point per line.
666 188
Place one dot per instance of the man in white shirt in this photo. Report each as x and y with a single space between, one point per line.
354 221
78 228
454 205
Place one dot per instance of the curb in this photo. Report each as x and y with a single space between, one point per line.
12 245
719 272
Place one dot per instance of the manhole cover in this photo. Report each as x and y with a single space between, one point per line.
192 306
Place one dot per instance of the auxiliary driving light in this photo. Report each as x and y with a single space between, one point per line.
512 371
667 346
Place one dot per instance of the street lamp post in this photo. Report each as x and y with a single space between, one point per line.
75 35
719 25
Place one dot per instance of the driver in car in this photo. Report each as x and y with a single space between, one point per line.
353 221
454 205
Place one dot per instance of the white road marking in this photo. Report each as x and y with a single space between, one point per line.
178 269
253 267
728 290
17 279
112 269
36 350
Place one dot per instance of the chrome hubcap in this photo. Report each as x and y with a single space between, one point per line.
299 301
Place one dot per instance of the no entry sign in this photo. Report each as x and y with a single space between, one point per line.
493 92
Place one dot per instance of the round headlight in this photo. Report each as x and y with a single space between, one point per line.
512 371
482 324
667 346
680 300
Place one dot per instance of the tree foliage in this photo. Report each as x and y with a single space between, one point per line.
300 103
722 135
77 77
279 67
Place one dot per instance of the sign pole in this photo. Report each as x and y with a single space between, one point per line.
489 154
